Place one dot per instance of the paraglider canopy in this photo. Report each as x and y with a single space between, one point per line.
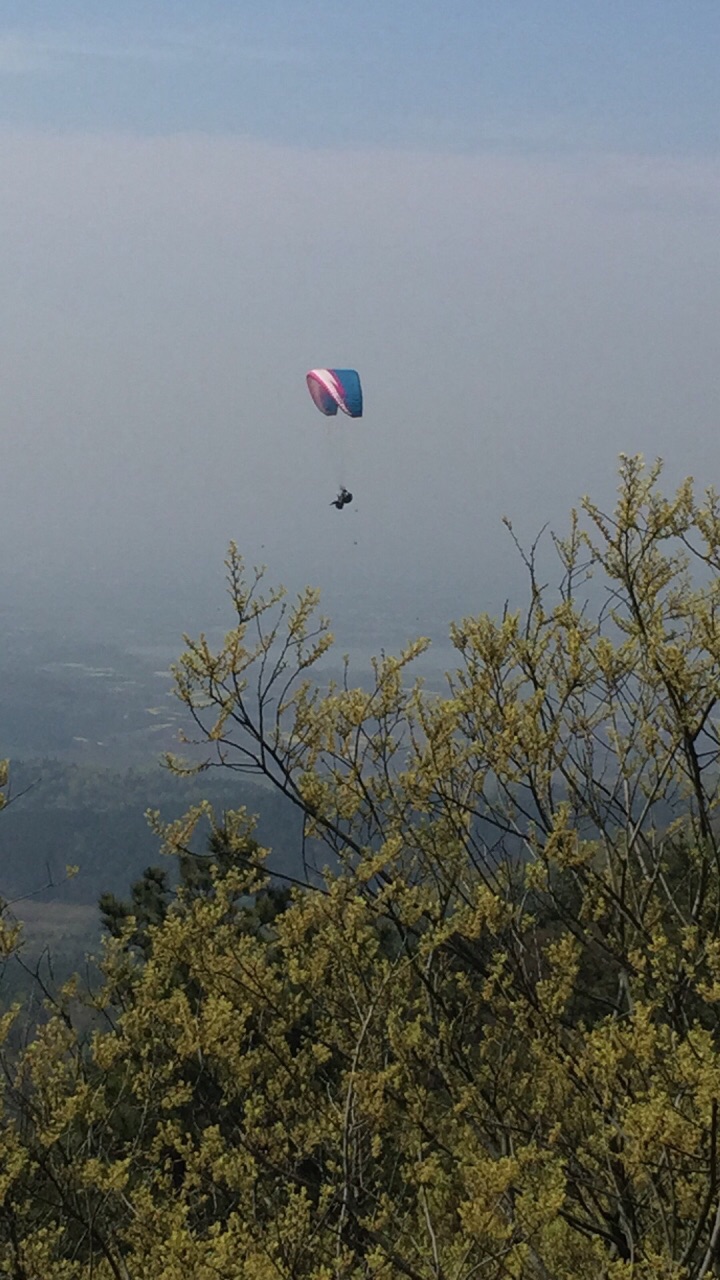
334 389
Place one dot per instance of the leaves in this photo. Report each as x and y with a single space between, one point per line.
484 1041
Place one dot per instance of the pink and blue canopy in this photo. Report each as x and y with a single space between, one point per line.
334 389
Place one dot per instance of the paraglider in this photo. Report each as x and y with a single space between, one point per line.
342 499
334 389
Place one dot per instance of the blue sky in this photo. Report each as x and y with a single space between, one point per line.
456 74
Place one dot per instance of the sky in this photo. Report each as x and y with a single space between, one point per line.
505 215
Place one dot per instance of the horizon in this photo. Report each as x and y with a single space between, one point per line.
506 223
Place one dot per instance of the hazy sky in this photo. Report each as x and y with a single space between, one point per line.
505 215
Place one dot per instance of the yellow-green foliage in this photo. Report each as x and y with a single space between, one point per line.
485 1045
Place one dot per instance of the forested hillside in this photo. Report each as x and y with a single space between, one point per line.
95 819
